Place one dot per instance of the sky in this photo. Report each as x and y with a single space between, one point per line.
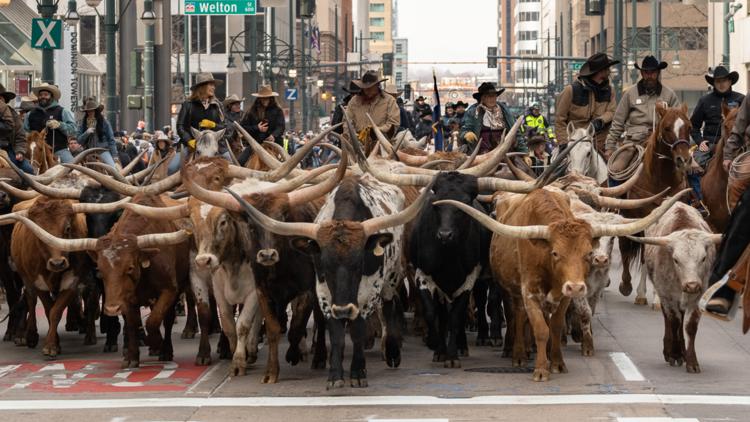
448 30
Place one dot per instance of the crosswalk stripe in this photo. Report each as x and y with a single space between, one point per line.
626 366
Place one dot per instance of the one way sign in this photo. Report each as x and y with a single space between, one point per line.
46 33
291 94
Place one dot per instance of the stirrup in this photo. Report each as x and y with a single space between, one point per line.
709 294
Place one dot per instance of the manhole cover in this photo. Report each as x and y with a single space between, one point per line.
502 370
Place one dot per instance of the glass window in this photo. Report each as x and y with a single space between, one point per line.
178 33
102 36
379 36
528 16
221 89
377 7
198 34
87 42
399 48
527 35
377 21
218 34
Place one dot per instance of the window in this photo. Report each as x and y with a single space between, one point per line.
527 35
218 34
523 52
399 48
377 21
378 36
102 36
377 7
87 44
178 33
528 16
528 1
198 34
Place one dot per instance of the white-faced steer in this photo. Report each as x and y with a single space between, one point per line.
356 244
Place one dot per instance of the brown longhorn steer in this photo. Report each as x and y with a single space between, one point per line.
714 182
665 163
541 254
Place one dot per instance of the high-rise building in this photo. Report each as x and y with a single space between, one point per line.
519 29
380 23
400 60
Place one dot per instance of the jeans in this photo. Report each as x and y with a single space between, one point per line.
65 156
174 165
24 165
695 182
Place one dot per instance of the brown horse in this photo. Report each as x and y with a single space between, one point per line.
714 182
40 153
665 163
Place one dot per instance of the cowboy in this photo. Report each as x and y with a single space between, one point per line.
589 99
48 114
264 121
382 108
12 135
402 114
538 158
233 108
338 113
163 150
419 106
636 109
95 132
27 104
201 111
460 108
424 127
486 121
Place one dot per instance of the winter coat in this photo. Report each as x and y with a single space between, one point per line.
706 119
736 139
383 110
580 103
193 112
635 114
404 119
103 137
472 122
418 110
424 128
12 135
37 118
276 125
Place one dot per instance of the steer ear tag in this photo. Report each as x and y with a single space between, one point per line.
145 263
378 251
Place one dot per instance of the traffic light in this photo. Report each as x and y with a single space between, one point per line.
407 91
492 57
595 7
388 64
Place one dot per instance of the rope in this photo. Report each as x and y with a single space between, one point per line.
739 171
629 170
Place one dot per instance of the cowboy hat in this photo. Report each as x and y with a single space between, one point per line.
232 99
650 64
460 104
6 94
420 98
352 89
205 78
370 78
450 105
52 89
721 72
596 63
160 136
91 105
487 88
265 92
392 90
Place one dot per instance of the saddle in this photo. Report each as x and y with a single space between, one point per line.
623 163
739 179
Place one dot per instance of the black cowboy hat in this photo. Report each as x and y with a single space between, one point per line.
650 63
596 63
420 98
352 89
6 94
370 78
460 104
487 88
722 72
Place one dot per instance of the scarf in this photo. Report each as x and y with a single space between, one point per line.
493 117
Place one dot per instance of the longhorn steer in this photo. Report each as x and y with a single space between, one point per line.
356 244
679 252
541 254
9 278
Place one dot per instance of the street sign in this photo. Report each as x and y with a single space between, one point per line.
46 33
219 7
291 94
575 65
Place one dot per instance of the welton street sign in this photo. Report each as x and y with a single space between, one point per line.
219 7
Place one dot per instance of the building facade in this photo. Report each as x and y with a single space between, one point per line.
739 30
400 62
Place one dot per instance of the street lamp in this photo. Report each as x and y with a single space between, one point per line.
292 73
93 3
676 62
71 16
149 20
320 83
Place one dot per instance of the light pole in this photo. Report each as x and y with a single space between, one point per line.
47 10
110 28
292 24
729 11
149 19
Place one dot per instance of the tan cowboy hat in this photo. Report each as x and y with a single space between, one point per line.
6 94
159 136
392 90
232 99
91 105
52 89
265 92
205 78
370 78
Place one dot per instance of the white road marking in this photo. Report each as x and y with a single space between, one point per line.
626 366
349 401
7 369
661 419
408 420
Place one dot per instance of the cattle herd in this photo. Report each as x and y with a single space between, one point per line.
459 240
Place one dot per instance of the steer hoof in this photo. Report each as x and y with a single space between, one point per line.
51 350
130 363
452 363
693 368
153 352
202 360
166 356
675 361
463 353
89 340
19 341
626 288
270 378
237 368
188 333
587 350
32 339
496 342
318 362
438 357
334 384
558 368
359 382
110 348
392 352
519 362
293 356
540 375
641 301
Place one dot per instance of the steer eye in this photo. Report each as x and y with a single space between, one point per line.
130 270
555 255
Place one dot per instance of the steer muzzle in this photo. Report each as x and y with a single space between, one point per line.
445 236
574 289
57 264
600 261
267 257
692 287
206 261
350 311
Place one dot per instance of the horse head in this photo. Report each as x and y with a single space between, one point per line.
583 157
41 155
207 142
672 136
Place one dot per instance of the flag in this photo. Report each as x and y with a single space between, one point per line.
436 118
315 39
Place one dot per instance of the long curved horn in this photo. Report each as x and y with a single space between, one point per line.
134 162
291 164
278 148
310 193
411 160
386 176
18 193
60 193
495 184
331 147
600 230
376 224
162 239
65 245
381 138
104 208
467 163
57 172
309 230
516 232
125 189
111 171
264 155
160 213
520 175
546 177
489 165
627 204
625 187
655 241
422 143
237 172
435 163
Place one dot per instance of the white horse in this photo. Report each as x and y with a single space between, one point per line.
583 156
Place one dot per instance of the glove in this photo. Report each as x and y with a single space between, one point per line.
90 131
598 124
527 160
364 134
53 124
191 144
470 137
206 124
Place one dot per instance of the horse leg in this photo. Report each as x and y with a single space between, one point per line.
640 297
626 288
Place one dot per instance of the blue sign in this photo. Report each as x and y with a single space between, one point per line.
291 94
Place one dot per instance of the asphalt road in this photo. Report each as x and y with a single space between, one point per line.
626 380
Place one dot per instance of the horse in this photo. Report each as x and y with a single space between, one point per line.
583 156
41 156
714 181
666 161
